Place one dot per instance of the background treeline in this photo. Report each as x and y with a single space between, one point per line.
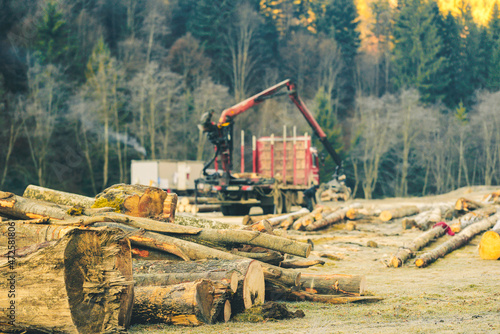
410 96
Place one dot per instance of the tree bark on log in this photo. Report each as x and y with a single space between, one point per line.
187 304
470 218
420 242
275 292
361 213
134 200
489 246
204 223
334 217
334 284
57 197
400 212
306 220
196 251
457 241
25 208
297 264
81 283
269 256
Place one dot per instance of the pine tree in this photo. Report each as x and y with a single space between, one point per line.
493 82
416 49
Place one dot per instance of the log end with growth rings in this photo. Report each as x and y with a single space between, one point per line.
489 246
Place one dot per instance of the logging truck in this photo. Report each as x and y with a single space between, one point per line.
285 169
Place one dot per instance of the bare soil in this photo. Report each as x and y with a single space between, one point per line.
459 293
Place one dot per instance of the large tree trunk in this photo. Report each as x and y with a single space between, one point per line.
188 304
134 200
334 284
57 197
81 283
457 241
400 212
489 246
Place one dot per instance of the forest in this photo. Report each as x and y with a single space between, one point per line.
408 92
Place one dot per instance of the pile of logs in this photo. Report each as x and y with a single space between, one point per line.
204 204
87 253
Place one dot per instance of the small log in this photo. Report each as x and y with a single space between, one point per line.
81 283
489 246
361 213
205 208
25 208
400 212
57 197
464 204
169 207
420 242
296 264
457 241
470 218
267 256
134 200
187 304
204 223
196 251
302 222
334 217
334 284
275 292
276 221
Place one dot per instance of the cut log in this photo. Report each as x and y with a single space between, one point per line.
187 304
333 218
300 263
169 207
489 246
267 256
254 238
276 221
464 204
205 208
25 208
275 292
196 251
134 200
81 283
470 218
57 197
408 251
361 213
306 220
400 212
334 284
457 241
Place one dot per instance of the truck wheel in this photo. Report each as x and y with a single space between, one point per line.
235 210
268 209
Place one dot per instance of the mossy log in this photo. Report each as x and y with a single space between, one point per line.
81 283
195 251
187 304
470 218
489 246
400 212
334 284
57 197
134 200
409 250
456 241
204 223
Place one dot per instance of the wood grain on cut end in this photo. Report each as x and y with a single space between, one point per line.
489 246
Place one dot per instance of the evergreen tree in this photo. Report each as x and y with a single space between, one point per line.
493 82
416 49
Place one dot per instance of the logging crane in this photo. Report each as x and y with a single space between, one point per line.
238 194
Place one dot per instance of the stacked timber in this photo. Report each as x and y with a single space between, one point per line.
201 204
206 271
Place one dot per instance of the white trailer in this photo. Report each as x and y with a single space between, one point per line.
172 175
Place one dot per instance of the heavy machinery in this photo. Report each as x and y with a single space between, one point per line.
238 193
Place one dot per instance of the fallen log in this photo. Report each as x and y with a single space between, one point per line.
204 223
464 204
353 285
134 200
489 246
187 304
274 292
408 251
195 251
361 213
470 218
296 264
276 221
400 212
457 241
25 208
81 283
57 197
307 219
334 217
204 208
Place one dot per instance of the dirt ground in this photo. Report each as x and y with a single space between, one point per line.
459 293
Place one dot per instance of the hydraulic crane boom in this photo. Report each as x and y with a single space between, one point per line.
220 134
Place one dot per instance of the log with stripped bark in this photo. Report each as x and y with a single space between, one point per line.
81 283
489 246
457 241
